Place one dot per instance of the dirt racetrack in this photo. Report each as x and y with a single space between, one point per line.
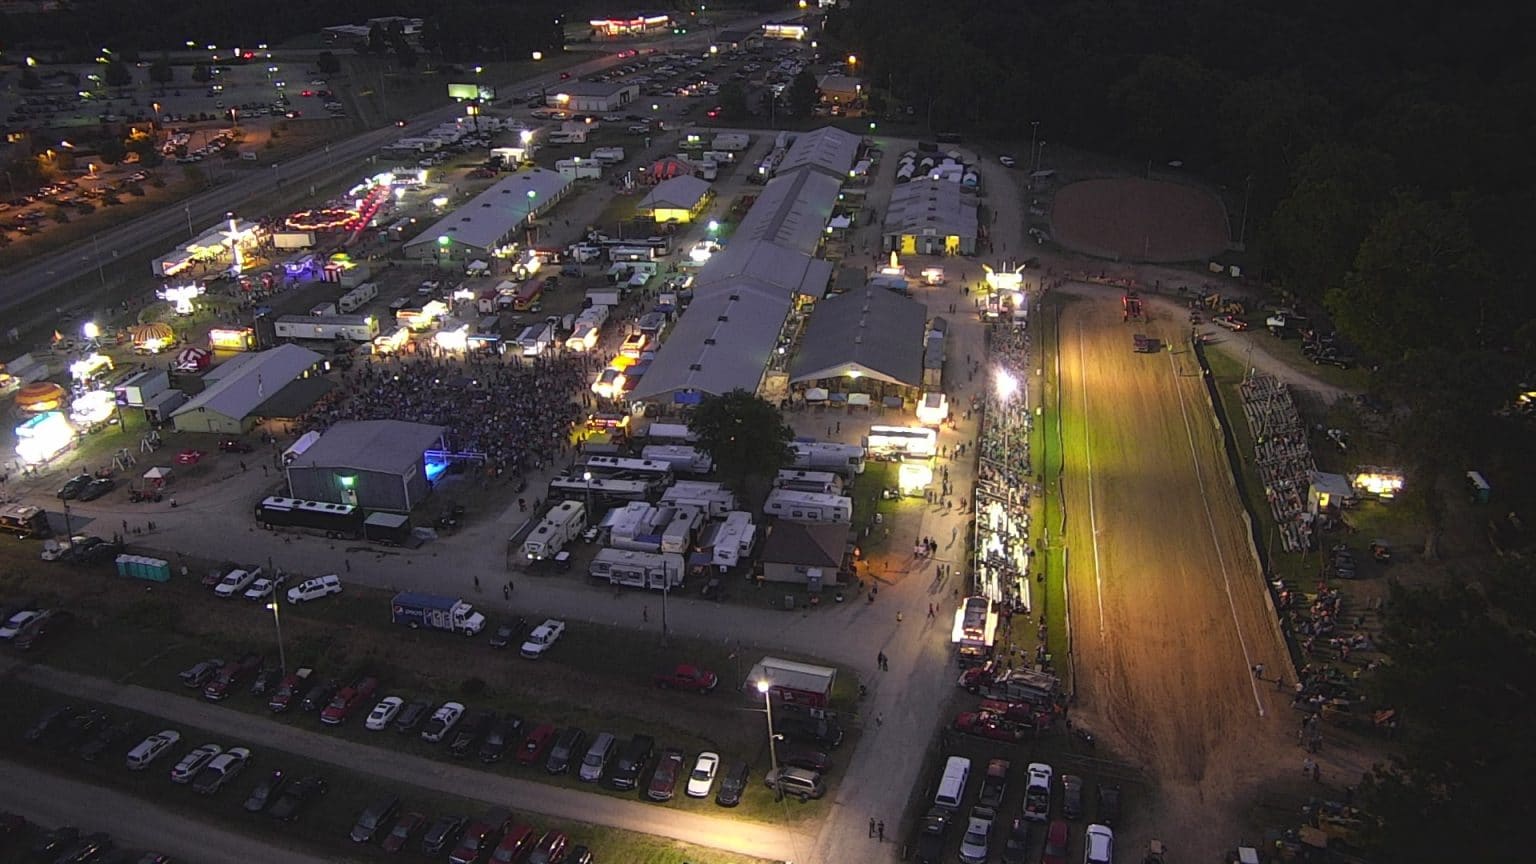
1168 613
1135 219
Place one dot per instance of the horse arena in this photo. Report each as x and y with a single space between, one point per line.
1134 219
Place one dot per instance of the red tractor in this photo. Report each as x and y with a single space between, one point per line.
1130 306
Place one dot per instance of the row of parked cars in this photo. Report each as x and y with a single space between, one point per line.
65 845
983 822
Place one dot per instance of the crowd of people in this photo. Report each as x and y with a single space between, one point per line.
1283 456
1004 478
519 416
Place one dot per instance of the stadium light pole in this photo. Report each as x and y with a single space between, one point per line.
763 686
282 659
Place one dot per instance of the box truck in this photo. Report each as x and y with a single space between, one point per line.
435 612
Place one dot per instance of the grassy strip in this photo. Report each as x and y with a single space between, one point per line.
1049 452
325 826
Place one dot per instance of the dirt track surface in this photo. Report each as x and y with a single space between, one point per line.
1135 219
1168 611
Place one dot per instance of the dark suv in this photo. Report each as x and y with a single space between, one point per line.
631 762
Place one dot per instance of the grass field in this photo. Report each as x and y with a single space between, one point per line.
324 828
1048 454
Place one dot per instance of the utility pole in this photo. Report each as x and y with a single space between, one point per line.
1242 232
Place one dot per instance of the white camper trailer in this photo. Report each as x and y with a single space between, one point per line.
732 539
712 498
560 525
657 571
844 459
682 458
822 482
808 506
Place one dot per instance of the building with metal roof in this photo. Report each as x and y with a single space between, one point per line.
677 199
767 265
829 150
592 95
372 464
491 219
860 341
236 389
723 342
791 211
931 217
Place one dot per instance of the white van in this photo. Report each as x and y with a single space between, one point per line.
152 748
957 772
314 589
598 756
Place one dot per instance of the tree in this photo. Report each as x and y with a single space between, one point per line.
327 63
30 80
117 74
378 40
1337 191
161 71
405 55
733 100
803 94
744 434
202 73
112 150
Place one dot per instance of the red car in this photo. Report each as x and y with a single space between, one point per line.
347 699
536 744
664 780
985 724
1231 322
288 690
687 677
404 831
713 112
1055 843
230 676
513 846
482 834
1020 712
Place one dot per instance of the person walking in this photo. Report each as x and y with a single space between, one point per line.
477 583
871 827
880 830
645 614
1258 671
879 719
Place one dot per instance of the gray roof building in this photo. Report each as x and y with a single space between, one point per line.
489 219
792 211
765 264
677 193
872 333
235 389
374 464
930 211
723 342
829 150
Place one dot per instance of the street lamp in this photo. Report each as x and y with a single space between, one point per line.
277 621
763 686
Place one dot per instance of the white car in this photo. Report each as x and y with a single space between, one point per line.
978 835
442 722
261 589
147 751
383 713
221 769
1037 795
542 637
235 582
314 589
18 621
193 762
1098 845
703 777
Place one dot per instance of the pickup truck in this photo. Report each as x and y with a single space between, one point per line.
347 699
230 676
687 677
288 690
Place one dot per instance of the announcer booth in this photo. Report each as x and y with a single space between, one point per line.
370 464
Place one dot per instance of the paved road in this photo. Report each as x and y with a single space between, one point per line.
733 835
48 799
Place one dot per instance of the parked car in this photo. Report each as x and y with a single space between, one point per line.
314 589
1037 795
347 699
507 632
42 628
89 848
375 817
536 744
514 845
499 736
411 716
230 676
810 760
1071 796
1098 845
631 762
319 696
442 722
266 680
824 731
74 486
442 833
977 840
266 792
1055 843
1016 846
702 778
298 797
147 751
567 748
687 677
472 727
50 843
995 784
542 638
733 782
664 779
77 728
404 831
234 583
1109 803
796 782
97 488
384 713
105 739
263 586
221 769
193 762
931 834
1231 322
480 835
198 675
578 855
287 691
550 849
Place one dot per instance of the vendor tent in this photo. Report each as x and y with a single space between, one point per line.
666 169
158 473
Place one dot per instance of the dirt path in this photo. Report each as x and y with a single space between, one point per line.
1167 610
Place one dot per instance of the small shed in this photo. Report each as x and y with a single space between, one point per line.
1327 490
792 683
